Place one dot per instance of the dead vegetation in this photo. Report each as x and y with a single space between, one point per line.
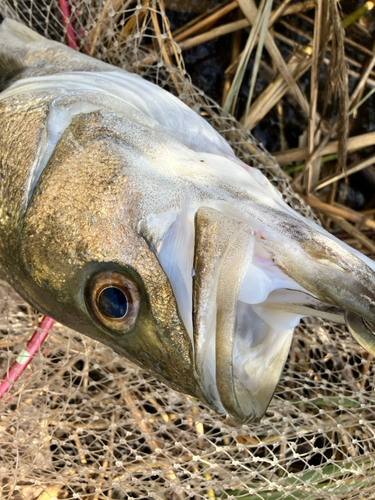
335 52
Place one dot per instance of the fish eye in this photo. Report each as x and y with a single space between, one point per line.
112 300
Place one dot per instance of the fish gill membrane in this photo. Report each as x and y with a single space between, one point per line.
125 216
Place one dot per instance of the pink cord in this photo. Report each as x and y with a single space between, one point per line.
70 33
26 355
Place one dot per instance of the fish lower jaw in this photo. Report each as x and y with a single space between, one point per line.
243 387
240 348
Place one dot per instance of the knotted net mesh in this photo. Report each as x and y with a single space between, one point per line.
83 423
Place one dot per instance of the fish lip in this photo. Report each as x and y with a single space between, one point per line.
221 256
362 330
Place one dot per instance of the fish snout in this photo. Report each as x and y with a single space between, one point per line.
334 274
236 364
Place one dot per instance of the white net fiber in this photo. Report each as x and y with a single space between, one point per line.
83 423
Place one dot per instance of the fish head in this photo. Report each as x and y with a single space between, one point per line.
197 274
84 259
140 228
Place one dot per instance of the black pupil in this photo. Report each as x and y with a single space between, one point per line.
113 303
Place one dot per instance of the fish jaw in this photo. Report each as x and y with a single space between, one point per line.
362 330
223 250
242 337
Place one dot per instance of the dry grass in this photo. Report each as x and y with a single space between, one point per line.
340 84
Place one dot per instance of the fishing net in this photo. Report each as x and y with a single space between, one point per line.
83 423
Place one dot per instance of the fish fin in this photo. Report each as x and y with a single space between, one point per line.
10 68
9 64
25 53
10 28
14 36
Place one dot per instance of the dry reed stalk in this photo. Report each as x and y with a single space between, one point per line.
278 12
199 18
99 481
337 90
311 174
205 22
264 21
182 36
298 31
338 75
280 114
131 24
368 212
347 40
358 47
228 76
358 91
166 46
139 418
51 492
295 45
233 92
93 35
350 171
353 231
266 100
343 112
79 447
338 85
297 66
213 33
318 152
250 11
293 9
339 211
173 50
300 154
285 9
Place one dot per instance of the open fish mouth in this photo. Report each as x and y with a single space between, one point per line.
176 212
250 290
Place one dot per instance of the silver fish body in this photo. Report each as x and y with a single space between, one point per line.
126 217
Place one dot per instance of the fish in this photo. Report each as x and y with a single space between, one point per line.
125 216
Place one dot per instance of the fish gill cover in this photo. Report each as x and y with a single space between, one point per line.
84 423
